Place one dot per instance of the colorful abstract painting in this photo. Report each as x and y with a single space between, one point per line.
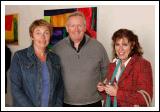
58 20
11 29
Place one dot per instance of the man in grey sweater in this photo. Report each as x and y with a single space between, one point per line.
84 63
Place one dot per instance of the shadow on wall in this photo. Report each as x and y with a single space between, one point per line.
8 97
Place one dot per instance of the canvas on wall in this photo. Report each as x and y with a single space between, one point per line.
11 29
58 18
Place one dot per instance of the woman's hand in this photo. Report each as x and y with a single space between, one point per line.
111 89
100 87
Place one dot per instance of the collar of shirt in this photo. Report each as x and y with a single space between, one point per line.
80 45
119 69
125 64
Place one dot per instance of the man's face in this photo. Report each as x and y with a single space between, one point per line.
76 28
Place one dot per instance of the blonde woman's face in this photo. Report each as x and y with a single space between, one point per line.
122 48
41 37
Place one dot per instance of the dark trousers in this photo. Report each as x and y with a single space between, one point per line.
97 104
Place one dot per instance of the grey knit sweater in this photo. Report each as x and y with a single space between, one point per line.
82 71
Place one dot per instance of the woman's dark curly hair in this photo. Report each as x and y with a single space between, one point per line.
131 37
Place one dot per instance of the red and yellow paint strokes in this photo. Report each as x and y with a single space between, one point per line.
11 28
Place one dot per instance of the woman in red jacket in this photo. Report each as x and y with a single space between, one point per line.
129 78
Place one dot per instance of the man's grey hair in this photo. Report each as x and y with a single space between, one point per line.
77 13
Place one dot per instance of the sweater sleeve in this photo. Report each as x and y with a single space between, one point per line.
104 62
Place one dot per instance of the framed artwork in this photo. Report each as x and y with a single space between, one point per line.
58 17
11 29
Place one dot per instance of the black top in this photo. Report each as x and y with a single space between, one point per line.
80 45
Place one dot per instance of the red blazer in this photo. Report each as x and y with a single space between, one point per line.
136 76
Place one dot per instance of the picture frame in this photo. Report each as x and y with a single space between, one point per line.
11 29
58 17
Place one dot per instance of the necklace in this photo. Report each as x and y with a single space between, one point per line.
41 56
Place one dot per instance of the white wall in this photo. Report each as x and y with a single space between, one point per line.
139 18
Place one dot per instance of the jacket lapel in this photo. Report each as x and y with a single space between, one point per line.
128 69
